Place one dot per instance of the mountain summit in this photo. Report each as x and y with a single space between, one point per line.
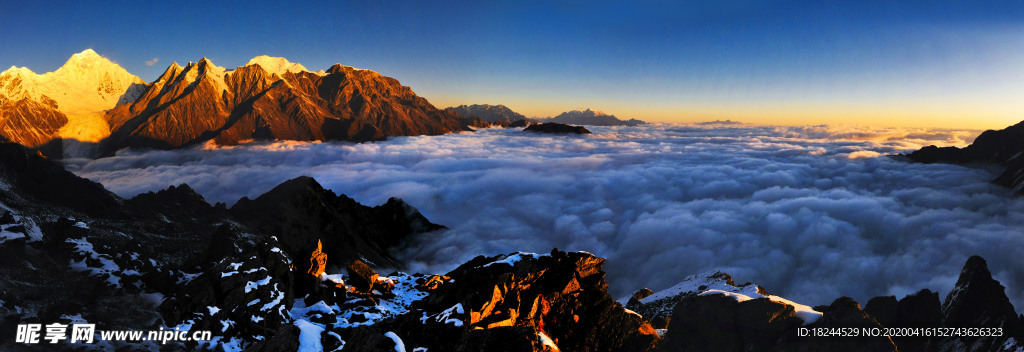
276 65
73 99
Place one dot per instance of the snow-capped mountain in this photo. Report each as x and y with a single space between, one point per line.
83 89
489 113
272 98
91 99
278 65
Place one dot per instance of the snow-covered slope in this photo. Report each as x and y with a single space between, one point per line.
276 65
84 89
663 302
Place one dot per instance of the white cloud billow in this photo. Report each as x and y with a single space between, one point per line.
810 213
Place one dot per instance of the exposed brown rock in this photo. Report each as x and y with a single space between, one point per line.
361 276
197 103
562 296
317 261
432 282
28 122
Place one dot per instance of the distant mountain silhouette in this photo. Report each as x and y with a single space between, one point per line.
490 113
1004 147
590 117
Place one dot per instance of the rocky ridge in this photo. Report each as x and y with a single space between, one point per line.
1003 147
202 102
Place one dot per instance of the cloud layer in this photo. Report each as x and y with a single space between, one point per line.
810 213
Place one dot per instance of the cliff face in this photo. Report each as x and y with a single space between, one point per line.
29 122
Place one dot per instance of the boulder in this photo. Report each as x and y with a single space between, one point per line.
361 276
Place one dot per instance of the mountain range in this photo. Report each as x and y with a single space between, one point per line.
590 117
489 113
502 114
91 99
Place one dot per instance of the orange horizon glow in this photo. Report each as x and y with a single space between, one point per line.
951 116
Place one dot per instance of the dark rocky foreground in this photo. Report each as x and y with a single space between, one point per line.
292 270
1003 147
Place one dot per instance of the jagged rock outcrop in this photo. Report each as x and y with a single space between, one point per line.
176 203
1003 147
361 276
300 212
978 301
558 300
552 127
489 113
590 117
658 307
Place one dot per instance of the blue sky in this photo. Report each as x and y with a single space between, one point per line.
918 63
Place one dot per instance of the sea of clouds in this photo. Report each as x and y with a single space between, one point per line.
810 213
